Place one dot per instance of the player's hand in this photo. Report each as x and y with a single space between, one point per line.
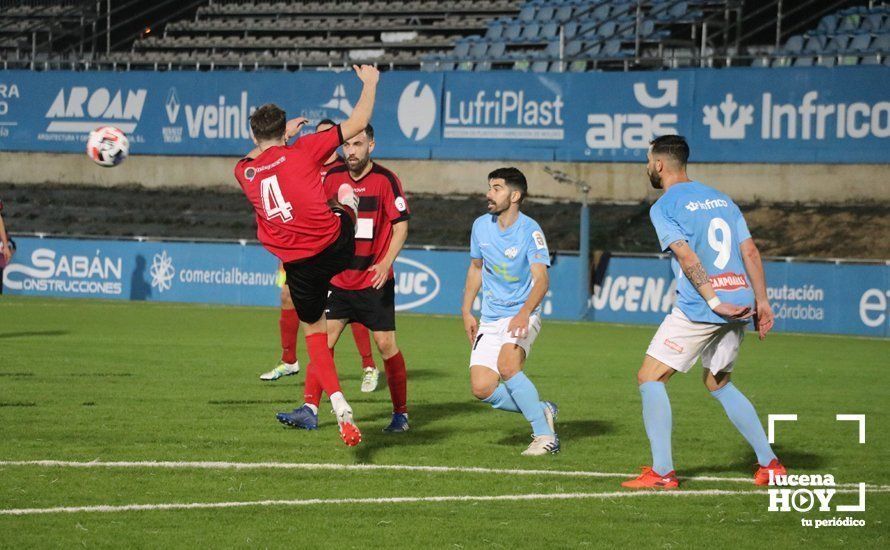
471 326
380 274
732 312
518 327
7 252
368 74
763 319
293 127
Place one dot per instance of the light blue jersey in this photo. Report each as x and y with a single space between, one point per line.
714 227
506 263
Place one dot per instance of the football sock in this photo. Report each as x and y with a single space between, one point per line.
525 394
322 362
338 402
743 416
363 343
289 324
657 419
313 408
501 399
311 387
397 379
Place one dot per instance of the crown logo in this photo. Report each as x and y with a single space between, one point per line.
727 128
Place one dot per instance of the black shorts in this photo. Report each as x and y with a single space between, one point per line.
309 279
376 309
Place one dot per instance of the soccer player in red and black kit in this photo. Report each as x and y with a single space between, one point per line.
314 240
365 292
289 322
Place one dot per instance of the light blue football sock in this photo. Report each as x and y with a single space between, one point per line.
743 416
657 419
501 399
525 394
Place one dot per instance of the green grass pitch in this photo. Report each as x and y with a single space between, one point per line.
85 380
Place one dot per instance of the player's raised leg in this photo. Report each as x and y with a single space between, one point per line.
289 327
652 377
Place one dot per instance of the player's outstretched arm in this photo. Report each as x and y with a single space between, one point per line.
695 272
518 326
763 316
361 113
471 289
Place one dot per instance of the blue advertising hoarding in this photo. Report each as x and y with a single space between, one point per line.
817 297
792 115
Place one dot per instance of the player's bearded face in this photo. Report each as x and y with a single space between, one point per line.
654 176
358 154
498 201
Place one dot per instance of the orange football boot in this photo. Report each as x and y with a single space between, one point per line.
650 479
762 475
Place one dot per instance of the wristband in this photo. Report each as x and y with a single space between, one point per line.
714 302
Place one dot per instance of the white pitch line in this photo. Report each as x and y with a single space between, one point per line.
381 500
216 465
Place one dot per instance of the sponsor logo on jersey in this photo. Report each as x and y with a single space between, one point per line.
540 242
511 252
728 282
673 345
709 204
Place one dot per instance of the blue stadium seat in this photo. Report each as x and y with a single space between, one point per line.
496 51
882 44
860 43
607 29
874 23
494 31
814 44
513 31
827 25
549 31
837 43
571 29
545 14
478 50
540 66
601 12
850 23
870 60
564 13
573 47
527 13
827 61
803 61
531 31
794 44
482 66
461 49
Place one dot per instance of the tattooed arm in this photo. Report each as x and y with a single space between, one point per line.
695 272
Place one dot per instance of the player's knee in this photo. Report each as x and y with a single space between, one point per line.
286 301
482 390
508 371
386 343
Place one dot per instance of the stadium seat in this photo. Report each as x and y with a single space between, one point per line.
873 23
881 44
849 23
549 31
827 61
814 44
837 44
531 31
827 25
803 61
497 50
512 32
860 43
540 66
794 45
528 13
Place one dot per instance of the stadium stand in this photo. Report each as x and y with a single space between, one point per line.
854 36
443 35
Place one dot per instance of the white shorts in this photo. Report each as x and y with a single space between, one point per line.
492 336
679 343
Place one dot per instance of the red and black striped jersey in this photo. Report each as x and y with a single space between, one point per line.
381 204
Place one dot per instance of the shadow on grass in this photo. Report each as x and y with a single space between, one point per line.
793 460
573 430
29 334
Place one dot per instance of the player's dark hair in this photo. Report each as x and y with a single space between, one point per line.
369 131
268 122
325 122
672 146
514 179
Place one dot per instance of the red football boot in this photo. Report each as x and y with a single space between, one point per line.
650 479
761 477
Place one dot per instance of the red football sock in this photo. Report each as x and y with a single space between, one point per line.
322 363
363 342
312 387
289 323
397 378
